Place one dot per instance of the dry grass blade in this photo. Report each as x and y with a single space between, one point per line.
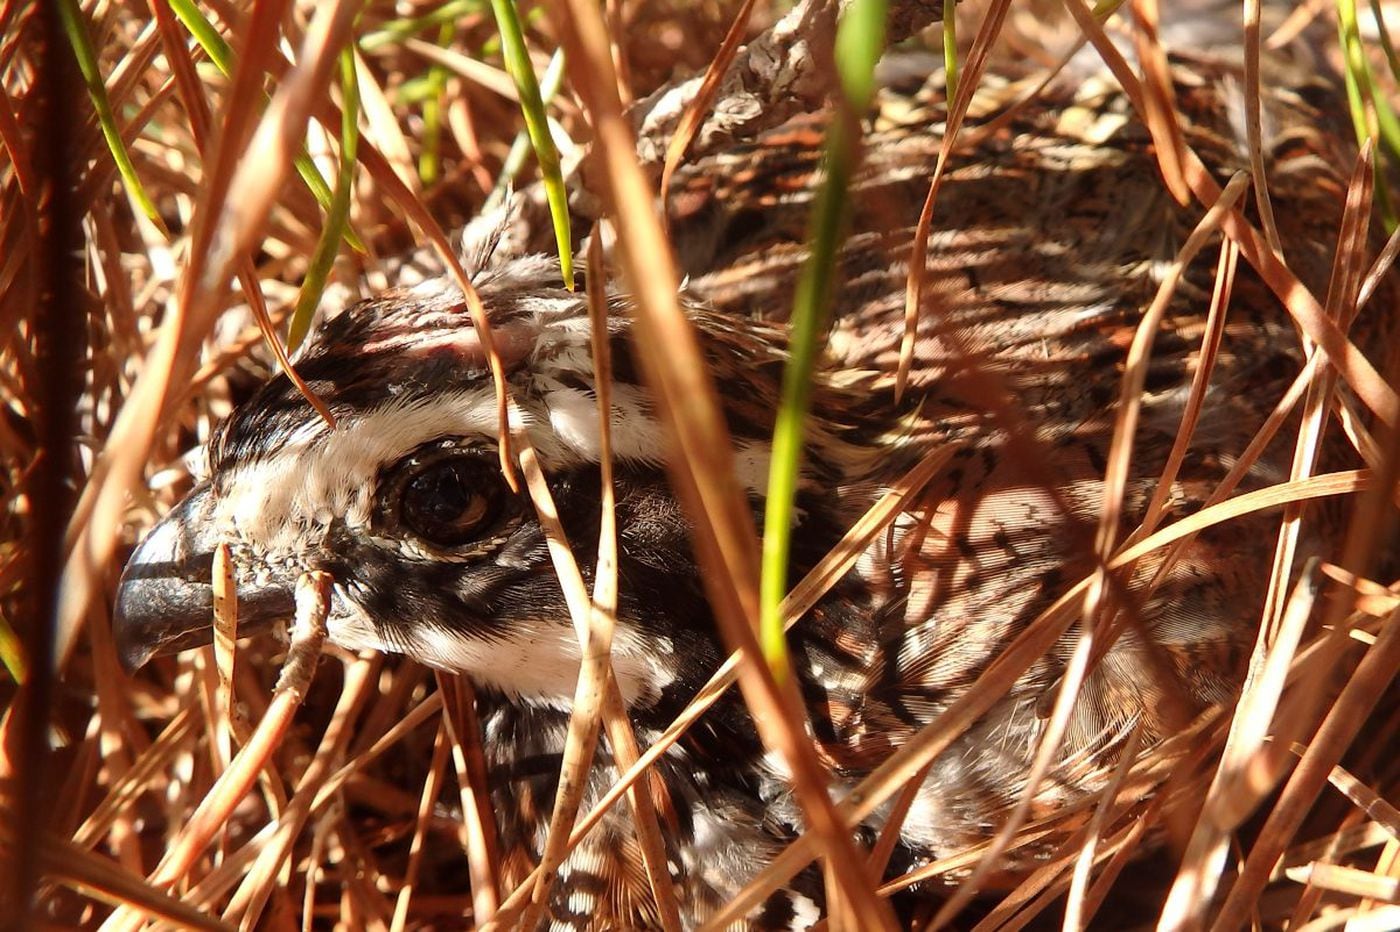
801 600
594 624
1376 274
703 470
308 634
259 880
1114 486
1349 361
1032 896
1355 919
1196 396
1298 20
1363 797
696 110
415 717
124 792
1347 880
894 827
100 878
914 289
1076 913
1348 712
431 786
493 79
597 691
274 342
921 748
11 137
382 129
1014 660
1159 114
625 752
225 634
1388 865
1236 787
1252 125
397 191
1341 297
482 845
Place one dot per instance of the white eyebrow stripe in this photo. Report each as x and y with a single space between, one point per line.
314 477
317 475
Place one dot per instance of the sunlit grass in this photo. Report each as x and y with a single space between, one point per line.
139 749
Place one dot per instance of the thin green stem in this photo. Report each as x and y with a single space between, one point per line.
338 216
860 39
430 159
81 42
1371 113
517 59
520 147
396 31
221 54
950 49
12 652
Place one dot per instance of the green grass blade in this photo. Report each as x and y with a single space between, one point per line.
221 54
338 216
1371 113
520 147
395 32
1383 32
81 44
950 50
430 159
860 39
537 124
204 33
12 652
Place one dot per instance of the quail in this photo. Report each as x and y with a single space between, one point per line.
1049 242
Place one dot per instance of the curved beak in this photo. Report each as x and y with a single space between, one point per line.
165 600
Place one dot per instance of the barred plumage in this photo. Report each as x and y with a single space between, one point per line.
1050 240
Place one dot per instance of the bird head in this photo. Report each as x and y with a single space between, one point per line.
402 501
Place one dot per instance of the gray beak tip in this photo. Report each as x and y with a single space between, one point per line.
133 656
157 614
165 600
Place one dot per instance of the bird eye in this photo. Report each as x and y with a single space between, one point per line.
450 501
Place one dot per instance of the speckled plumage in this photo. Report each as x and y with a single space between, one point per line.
1049 238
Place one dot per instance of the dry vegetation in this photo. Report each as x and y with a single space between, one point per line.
355 800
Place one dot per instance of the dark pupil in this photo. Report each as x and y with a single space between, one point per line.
439 505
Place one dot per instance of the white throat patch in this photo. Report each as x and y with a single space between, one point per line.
534 660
